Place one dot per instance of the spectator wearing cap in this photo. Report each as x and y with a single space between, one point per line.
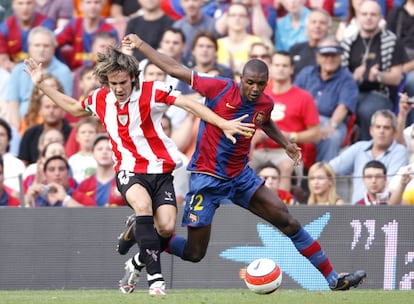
335 93
100 188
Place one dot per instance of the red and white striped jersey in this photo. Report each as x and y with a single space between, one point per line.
137 139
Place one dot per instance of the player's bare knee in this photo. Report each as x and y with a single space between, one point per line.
142 209
166 230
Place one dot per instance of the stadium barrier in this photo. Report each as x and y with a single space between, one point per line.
74 248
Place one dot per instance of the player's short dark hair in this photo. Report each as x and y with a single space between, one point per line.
256 65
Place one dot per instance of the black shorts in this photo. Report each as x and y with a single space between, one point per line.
159 187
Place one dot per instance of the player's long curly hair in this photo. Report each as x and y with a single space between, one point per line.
114 60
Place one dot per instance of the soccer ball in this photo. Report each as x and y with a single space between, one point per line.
263 276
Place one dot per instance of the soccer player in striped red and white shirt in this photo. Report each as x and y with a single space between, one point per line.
144 156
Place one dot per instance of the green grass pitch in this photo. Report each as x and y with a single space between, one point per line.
204 296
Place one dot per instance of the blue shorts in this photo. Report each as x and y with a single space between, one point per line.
206 193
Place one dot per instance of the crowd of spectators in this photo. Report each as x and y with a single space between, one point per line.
341 74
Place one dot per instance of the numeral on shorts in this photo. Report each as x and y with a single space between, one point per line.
195 203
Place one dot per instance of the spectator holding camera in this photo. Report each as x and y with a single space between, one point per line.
375 180
55 192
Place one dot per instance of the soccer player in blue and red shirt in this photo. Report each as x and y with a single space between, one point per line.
220 170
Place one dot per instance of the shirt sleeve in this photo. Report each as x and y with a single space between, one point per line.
343 164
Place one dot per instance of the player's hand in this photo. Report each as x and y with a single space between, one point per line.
34 70
237 127
131 42
295 153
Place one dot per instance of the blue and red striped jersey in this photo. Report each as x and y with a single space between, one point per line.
214 153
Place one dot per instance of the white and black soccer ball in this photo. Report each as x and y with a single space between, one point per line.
263 276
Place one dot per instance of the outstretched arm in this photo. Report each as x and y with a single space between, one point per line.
164 62
292 150
229 127
69 104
